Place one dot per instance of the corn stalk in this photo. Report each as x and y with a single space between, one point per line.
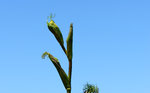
54 29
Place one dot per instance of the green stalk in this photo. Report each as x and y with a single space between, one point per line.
66 79
69 75
70 71
68 91
69 53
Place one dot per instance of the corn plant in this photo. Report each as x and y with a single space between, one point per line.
89 88
54 29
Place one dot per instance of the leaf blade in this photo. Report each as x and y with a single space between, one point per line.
70 43
56 32
61 72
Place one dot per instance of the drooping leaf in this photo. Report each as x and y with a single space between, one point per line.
70 43
56 32
61 72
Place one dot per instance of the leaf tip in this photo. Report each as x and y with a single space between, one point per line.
44 54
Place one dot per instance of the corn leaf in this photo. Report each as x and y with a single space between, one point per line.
56 32
61 72
70 42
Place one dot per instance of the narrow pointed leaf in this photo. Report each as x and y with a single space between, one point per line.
61 72
70 42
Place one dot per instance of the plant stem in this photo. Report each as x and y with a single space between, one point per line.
69 73
68 91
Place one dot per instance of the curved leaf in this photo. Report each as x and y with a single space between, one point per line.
56 32
61 72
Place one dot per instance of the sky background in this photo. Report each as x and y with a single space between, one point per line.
111 47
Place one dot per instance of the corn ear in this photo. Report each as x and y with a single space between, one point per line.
70 42
61 72
56 32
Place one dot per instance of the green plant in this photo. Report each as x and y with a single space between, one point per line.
89 88
66 79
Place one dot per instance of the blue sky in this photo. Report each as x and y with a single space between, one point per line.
111 45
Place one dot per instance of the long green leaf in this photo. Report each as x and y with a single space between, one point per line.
56 32
70 42
61 72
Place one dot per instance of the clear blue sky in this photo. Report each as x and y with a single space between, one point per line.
111 45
